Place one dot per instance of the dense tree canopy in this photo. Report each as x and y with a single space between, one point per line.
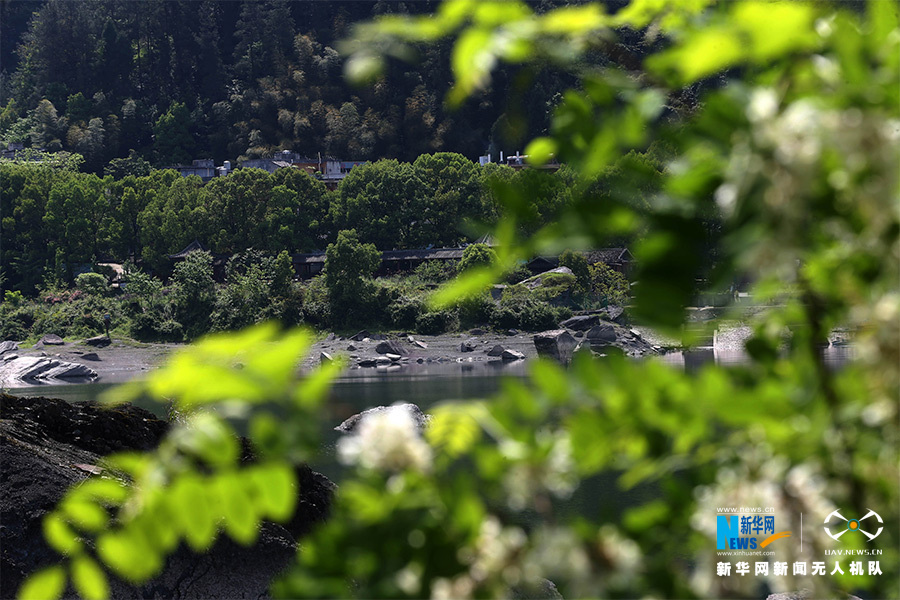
178 80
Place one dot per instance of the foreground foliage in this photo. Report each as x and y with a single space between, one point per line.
798 161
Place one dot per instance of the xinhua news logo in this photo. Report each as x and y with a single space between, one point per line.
746 532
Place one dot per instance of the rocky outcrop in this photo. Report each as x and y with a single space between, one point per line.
557 344
33 369
48 445
8 347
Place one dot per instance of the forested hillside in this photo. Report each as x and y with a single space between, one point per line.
175 80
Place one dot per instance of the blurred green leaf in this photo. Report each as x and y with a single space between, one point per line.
46 584
60 536
89 579
453 429
85 515
276 486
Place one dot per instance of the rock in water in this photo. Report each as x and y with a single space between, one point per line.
350 425
98 341
497 350
581 322
29 369
512 355
557 344
391 347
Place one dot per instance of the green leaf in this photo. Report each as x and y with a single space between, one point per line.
60 536
87 516
190 504
46 584
108 491
540 151
551 380
207 436
702 54
128 554
239 514
276 485
453 429
472 283
776 28
472 62
89 579
574 20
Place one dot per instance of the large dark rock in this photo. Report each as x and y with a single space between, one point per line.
391 347
51 340
580 322
601 334
557 344
48 445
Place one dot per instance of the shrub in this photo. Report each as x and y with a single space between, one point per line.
316 303
92 283
435 271
13 298
608 286
405 311
521 308
436 323
476 255
475 310
580 269
517 275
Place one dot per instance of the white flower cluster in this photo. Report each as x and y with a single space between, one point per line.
496 554
558 555
388 440
555 474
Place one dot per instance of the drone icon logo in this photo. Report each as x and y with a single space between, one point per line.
844 525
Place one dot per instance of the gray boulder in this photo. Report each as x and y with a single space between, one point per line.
467 346
391 347
581 322
497 350
512 355
360 336
90 356
98 341
8 346
601 334
51 340
350 425
324 357
557 344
